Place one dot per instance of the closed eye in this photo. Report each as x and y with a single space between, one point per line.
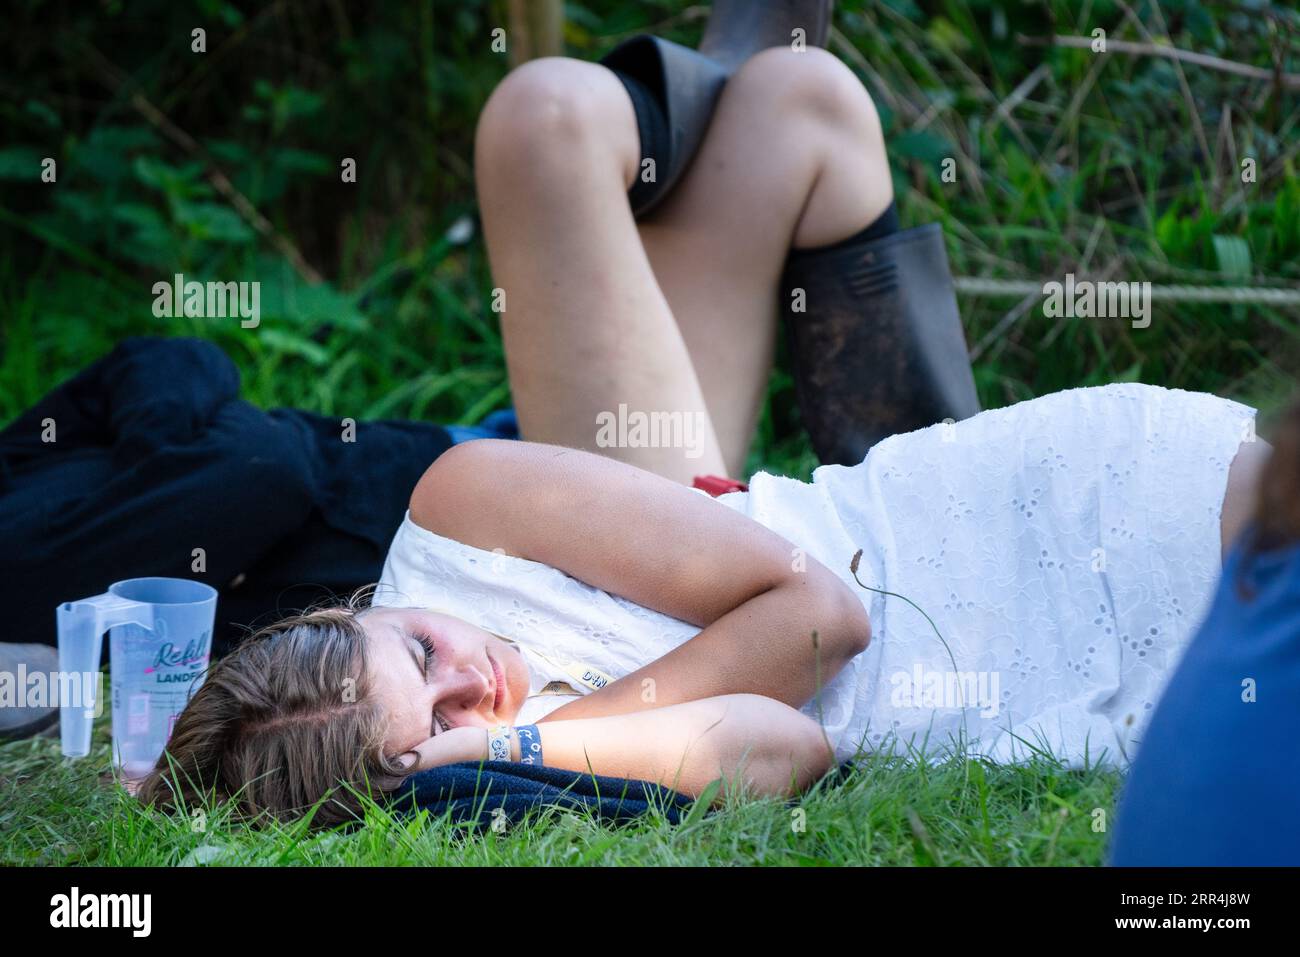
439 723
426 642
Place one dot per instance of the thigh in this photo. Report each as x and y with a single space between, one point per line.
793 156
590 340
717 245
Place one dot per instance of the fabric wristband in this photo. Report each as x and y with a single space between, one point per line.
530 744
499 743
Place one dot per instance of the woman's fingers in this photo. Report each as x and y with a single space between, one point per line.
450 747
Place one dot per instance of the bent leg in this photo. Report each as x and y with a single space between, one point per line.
794 157
586 327
681 316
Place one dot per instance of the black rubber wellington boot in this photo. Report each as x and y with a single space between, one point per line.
685 84
878 347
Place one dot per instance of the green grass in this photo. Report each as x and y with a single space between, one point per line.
1101 169
887 812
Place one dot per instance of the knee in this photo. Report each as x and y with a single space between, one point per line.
813 86
548 107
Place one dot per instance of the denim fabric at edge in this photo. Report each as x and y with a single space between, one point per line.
1217 779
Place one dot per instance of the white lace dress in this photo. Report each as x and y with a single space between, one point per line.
1065 548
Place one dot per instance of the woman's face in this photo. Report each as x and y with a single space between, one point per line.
431 672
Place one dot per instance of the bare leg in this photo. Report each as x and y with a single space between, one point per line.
1242 493
585 324
794 157
598 315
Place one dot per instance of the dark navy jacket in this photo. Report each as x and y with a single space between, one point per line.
156 455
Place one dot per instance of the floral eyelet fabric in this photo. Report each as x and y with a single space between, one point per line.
1045 565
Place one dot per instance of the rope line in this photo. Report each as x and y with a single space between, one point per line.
1276 296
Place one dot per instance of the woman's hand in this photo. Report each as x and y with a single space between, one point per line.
466 743
756 745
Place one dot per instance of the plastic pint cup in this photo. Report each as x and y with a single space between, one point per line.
160 639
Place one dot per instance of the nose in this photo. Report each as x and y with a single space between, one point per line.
465 697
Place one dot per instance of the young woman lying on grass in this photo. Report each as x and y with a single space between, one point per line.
1028 575
702 619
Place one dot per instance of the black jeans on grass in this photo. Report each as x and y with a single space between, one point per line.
149 454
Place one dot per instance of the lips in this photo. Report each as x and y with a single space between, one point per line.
499 684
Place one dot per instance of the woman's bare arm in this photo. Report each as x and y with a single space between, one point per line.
664 546
1241 497
762 746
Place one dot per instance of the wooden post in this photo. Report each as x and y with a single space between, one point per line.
536 29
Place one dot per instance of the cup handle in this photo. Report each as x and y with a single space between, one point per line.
81 627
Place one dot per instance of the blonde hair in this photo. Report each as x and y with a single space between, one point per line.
283 722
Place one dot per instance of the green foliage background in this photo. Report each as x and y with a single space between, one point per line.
1120 166
1115 165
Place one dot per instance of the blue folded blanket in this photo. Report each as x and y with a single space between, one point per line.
472 793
